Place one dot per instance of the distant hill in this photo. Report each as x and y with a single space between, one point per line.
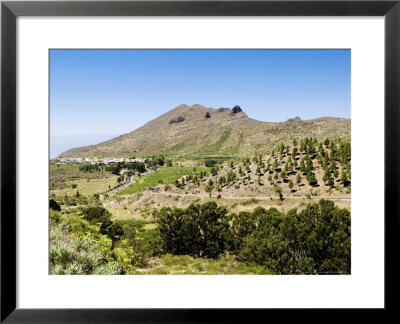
200 131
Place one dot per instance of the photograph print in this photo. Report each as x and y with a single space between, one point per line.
200 162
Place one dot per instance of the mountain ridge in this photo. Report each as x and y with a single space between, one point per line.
186 130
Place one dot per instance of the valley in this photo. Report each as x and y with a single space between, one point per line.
199 190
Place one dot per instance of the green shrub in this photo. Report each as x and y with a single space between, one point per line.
96 214
315 240
197 230
55 215
54 205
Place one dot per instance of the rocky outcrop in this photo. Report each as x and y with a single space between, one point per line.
236 110
207 115
176 120
294 120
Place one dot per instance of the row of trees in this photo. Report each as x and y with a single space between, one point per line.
314 240
332 156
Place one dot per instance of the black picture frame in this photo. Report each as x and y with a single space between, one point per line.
10 10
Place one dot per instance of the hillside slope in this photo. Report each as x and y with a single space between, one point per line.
200 131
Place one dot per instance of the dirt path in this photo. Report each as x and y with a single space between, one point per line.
249 197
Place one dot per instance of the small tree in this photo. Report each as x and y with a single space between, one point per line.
114 232
218 188
343 178
275 164
302 165
312 180
309 165
291 184
278 190
208 189
336 174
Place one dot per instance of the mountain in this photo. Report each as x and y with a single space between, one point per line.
200 131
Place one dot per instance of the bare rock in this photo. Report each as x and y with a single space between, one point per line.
294 120
176 120
236 110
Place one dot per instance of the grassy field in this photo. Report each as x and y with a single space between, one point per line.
86 187
165 174
60 175
187 265
121 213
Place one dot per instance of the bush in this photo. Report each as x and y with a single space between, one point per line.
209 163
315 240
54 205
97 214
55 215
312 180
198 230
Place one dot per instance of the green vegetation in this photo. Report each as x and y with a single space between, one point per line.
136 231
54 205
315 240
168 175
197 230
187 265
87 187
203 239
73 255
88 242
215 148
61 175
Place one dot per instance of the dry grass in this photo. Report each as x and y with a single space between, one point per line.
142 205
87 188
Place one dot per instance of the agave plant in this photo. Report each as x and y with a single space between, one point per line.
57 270
73 268
108 269
72 255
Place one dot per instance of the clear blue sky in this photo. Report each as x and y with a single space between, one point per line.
111 92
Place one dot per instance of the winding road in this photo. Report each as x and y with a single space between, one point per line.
127 183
